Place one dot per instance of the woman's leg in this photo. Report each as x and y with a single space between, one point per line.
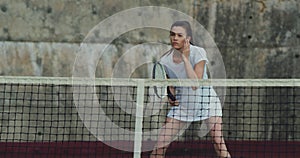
166 135
215 125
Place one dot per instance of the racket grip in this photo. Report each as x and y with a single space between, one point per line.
170 95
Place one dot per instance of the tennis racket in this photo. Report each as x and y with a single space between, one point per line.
160 73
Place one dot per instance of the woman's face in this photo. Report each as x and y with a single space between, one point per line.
178 37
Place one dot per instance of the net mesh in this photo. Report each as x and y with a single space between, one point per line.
63 117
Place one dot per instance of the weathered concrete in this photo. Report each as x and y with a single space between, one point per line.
243 30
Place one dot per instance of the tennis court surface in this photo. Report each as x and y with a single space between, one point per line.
201 149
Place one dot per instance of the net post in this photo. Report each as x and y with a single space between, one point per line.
139 118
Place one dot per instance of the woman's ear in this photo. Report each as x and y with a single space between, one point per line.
188 38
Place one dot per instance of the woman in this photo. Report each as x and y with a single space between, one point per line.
186 61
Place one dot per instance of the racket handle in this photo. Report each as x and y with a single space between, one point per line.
170 95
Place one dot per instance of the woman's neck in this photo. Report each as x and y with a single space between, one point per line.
177 56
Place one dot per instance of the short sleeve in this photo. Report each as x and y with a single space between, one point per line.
198 54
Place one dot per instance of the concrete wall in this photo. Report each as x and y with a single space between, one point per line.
257 39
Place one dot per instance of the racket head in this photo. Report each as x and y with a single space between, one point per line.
159 72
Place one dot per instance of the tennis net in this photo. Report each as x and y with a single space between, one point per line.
82 117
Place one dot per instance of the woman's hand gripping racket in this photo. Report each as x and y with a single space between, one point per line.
160 73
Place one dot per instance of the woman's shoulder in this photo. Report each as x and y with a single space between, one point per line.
197 49
197 54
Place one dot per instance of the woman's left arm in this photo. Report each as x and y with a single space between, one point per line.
195 72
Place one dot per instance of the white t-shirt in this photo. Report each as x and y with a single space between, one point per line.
194 105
